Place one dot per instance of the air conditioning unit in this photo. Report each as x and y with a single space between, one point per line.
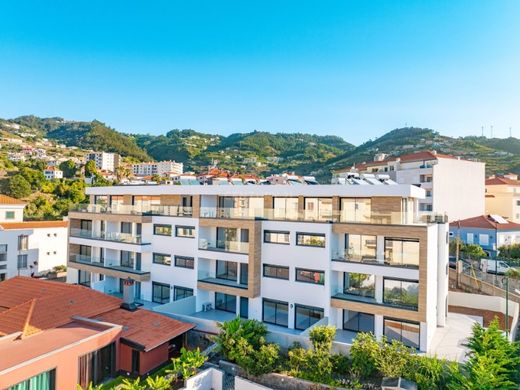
207 306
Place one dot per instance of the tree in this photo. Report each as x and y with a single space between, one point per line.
90 168
187 363
19 187
34 177
473 251
69 168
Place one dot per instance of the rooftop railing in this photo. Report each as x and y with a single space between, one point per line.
106 236
165 210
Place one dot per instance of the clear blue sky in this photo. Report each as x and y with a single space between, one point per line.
350 68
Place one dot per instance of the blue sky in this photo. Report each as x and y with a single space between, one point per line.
349 68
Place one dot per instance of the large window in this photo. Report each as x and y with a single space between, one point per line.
126 227
85 224
285 208
184 262
276 237
310 239
22 261
232 239
44 381
360 247
276 271
162 258
3 252
318 209
406 332
402 252
225 302
97 366
306 316
310 276
23 242
356 210
160 292
227 270
84 278
185 231
127 259
181 292
361 285
162 230
401 293
275 312
356 321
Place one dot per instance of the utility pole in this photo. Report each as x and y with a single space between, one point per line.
491 131
510 136
482 131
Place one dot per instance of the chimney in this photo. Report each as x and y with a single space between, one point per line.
128 295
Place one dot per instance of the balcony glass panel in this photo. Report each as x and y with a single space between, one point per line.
359 285
401 293
359 248
402 252
107 236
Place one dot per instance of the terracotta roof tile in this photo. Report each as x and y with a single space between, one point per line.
33 225
485 222
4 199
502 181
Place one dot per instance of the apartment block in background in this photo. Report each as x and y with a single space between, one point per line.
29 248
105 161
503 196
453 186
358 257
161 168
56 335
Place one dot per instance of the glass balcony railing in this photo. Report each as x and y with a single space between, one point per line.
224 246
171 211
107 236
107 263
355 258
206 277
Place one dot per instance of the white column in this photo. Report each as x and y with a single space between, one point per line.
442 276
378 326
380 249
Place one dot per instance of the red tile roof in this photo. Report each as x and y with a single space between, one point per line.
500 180
4 199
485 222
33 225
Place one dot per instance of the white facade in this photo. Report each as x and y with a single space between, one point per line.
325 268
52 173
105 161
161 168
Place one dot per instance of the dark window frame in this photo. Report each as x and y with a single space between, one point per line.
358 319
310 308
288 233
177 227
307 281
418 324
397 305
321 235
225 308
278 268
183 289
163 286
161 254
276 303
160 226
181 261
227 266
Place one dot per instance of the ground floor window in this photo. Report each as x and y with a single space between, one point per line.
275 312
356 321
226 302
84 278
97 366
405 331
244 307
306 316
181 293
160 292
44 381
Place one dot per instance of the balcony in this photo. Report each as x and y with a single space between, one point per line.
126 238
138 210
107 267
340 294
209 281
344 256
224 246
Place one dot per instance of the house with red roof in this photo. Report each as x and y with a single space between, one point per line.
503 196
452 185
56 335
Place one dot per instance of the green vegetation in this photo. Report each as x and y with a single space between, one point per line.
187 363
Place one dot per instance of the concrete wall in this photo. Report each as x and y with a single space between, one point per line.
204 380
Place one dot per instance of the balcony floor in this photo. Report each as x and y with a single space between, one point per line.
224 282
214 315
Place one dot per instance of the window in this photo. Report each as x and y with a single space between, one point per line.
126 227
518 202
162 258
181 292
356 209
275 312
356 321
44 381
244 307
401 293
310 276
162 230
402 252
23 242
22 261
306 316
226 270
185 231
428 193
97 366
84 278
160 292
406 332
285 208
184 262
85 224
361 285
9 215
276 237
469 238
3 252
318 209
310 239
483 239
225 302
360 247
127 259
276 271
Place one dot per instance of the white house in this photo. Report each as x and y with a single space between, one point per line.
52 172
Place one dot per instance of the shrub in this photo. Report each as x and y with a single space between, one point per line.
187 363
158 383
428 372
364 352
261 361
321 337
392 358
136 384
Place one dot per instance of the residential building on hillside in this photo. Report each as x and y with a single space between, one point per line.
161 168
56 336
503 196
453 186
354 256
29 248
52 173
105 161
489 231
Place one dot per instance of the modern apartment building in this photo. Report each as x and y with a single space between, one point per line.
355 256
29 248
161 168
105 161
453 186
503 196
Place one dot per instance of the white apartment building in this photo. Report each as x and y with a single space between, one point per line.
52 173
354 256
161 168
29 248
453 186
105 161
